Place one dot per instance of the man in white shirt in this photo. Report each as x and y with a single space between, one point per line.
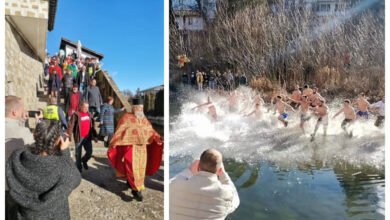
203 191
16 136
381 111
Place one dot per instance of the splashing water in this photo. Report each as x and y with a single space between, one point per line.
253 140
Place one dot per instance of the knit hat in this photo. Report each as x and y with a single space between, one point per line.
137 101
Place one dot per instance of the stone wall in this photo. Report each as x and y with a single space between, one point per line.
22 68
27 8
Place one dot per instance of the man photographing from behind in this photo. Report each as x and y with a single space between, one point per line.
203 191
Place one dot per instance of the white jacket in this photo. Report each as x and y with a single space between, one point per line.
381 107
202 196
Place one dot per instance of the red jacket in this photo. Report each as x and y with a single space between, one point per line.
74 103
58 70
74 127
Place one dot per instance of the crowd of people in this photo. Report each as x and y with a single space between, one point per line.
40 173
310 104
215 80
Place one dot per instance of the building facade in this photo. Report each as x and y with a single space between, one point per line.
70 47
192 15
26 26
319 7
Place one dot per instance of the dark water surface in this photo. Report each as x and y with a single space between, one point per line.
308 192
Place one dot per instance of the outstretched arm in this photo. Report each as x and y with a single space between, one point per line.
293 100
201 105
289 106
341 110
253 112
375 105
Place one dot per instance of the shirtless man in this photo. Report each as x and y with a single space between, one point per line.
281 107
363 106
349 114
315 98
212 110
232 101
321 111
257 112
307 91
304 109
296 95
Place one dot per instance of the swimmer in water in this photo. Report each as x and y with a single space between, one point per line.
257 112
296 95
304 110
315 98
362 105
321 111
232 101
280 106
349 114
212 111
307 91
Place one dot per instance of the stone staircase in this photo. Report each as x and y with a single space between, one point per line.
107 88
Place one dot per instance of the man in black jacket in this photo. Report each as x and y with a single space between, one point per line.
83 80
67 82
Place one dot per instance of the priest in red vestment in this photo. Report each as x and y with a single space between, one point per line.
135 149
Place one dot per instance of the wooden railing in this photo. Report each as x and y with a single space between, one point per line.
108 87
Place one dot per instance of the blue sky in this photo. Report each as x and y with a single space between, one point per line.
130 34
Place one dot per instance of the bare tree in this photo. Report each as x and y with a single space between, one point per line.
289 48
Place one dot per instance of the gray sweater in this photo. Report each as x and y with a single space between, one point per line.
40 185
93 96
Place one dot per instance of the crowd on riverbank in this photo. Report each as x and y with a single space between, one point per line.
215 79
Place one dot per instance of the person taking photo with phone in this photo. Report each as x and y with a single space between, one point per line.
40 178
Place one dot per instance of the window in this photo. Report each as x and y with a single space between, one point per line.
324 7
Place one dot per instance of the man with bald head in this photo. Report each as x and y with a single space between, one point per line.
16 134
203 191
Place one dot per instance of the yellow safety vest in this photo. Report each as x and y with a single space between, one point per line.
51 112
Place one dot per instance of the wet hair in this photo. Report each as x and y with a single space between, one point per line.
362 94
279 97
306 86
347 101
46 135
210 161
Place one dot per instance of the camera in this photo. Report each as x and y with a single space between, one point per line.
31 114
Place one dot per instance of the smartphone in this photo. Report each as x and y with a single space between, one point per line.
31 114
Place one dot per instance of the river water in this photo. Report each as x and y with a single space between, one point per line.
279 173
